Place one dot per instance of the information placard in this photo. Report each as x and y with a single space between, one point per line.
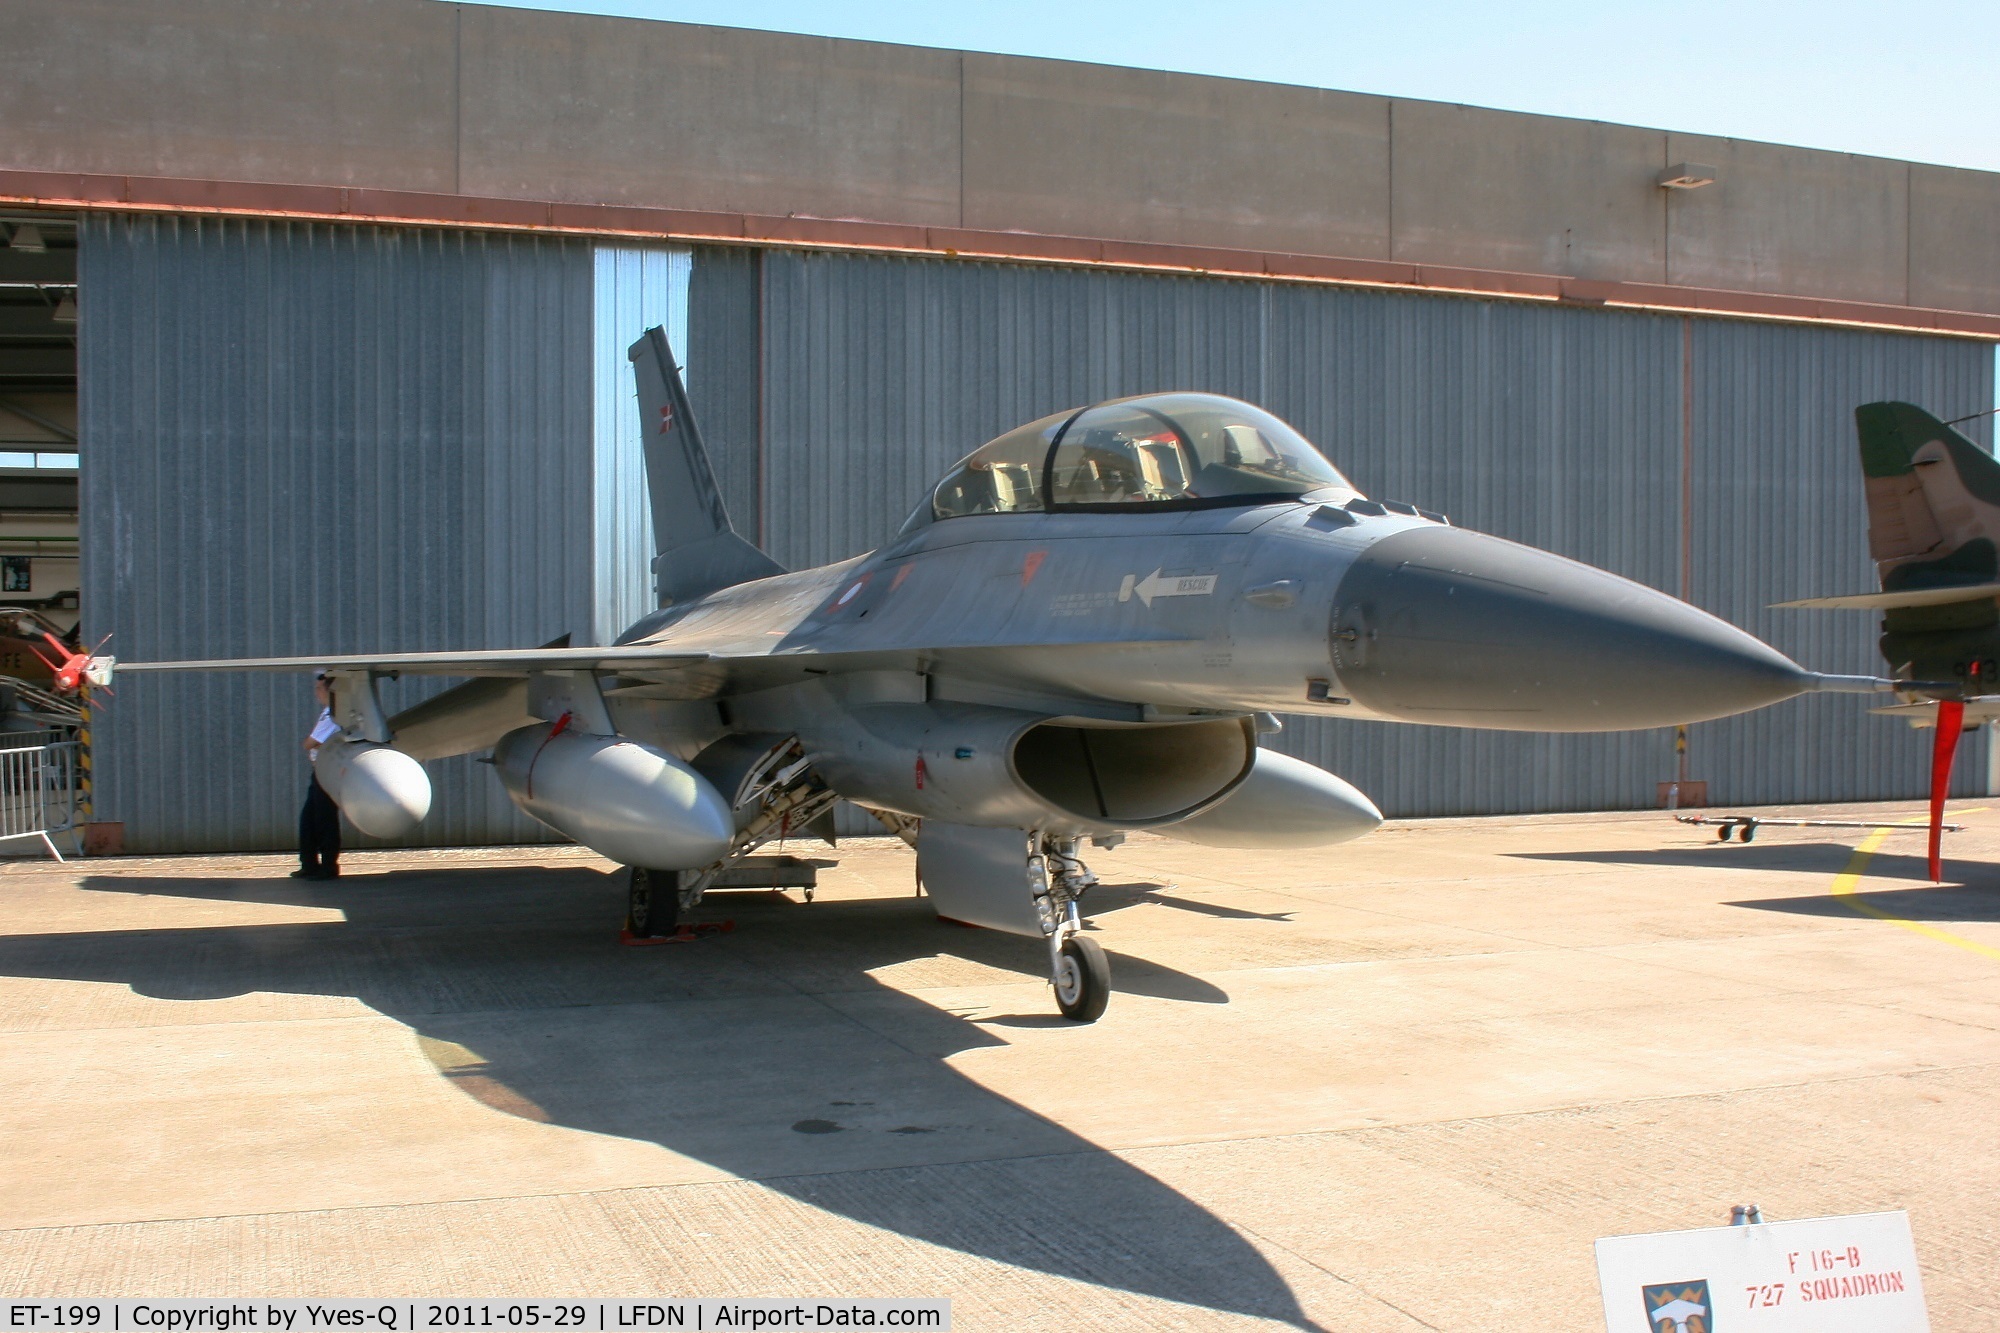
1820 1275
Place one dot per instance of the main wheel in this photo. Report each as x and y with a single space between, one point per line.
652 902
1083 979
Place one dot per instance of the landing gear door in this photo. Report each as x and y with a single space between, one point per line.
981 876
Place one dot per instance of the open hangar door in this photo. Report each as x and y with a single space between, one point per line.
313 438
39 586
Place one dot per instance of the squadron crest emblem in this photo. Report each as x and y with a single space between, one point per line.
1679 1307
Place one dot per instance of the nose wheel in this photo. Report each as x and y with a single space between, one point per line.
1082 979
1078 969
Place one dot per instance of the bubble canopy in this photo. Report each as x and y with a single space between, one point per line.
1159 451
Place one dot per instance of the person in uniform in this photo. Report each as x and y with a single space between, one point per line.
319 821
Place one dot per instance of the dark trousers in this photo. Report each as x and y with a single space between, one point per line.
319 830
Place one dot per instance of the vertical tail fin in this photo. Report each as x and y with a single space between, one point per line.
699 550
1933 500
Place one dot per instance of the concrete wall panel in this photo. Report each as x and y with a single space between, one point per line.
337 92
487 101
1955 239
1089 150
580 108
1496 189
1790 220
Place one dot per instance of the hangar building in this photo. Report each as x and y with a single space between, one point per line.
330 301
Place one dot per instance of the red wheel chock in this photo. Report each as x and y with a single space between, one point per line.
683 934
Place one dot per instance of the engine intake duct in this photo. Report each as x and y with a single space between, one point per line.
997 767
1133 775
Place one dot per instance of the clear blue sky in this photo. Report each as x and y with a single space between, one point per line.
1910 80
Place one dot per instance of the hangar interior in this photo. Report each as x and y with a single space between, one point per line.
38 434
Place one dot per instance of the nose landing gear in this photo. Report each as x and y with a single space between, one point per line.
1078 968
1024 883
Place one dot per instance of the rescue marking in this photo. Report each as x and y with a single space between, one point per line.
1030 565
1844 882
1191 585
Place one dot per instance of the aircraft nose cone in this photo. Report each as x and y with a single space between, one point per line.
1462 629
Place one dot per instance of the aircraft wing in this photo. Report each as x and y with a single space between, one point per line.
1895 601
482 662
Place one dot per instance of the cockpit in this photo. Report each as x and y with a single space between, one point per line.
1159 451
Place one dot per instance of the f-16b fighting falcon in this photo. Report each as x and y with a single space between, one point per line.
1934 534
1081 631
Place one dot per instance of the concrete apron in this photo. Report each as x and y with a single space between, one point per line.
1401 1084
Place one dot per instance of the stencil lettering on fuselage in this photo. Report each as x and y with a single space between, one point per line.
1153 585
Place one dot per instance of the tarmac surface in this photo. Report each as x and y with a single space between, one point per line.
1402 1084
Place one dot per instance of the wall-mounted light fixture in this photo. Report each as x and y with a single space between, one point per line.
28 237
1686 176
65 311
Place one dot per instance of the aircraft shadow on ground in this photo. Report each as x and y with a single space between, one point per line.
1944 904
1106 897
763 1052
1897 883
1829 858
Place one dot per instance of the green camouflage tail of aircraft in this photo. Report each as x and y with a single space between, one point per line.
1934 534
1080 632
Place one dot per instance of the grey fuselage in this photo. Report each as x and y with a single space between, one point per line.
1297 606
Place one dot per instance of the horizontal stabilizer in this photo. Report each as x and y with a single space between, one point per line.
719 560
1903 598
1978 709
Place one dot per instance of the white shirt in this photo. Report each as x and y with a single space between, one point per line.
324 729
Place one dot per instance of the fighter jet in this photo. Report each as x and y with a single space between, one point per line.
1081 631
1934 534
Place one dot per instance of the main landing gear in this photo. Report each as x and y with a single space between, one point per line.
773 793
652 902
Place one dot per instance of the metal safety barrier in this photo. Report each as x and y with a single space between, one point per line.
38 792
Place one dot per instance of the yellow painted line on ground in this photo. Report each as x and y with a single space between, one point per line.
1844 882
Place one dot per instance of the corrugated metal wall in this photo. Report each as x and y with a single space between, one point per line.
313 439
1779 514
1559 426
318 439
722 368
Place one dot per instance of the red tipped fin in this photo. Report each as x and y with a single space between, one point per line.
1950 724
